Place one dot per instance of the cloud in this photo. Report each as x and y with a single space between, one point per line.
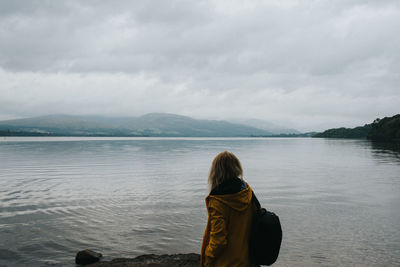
308 64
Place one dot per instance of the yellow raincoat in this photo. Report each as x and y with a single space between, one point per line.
226 238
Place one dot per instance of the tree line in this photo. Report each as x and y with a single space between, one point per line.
386 129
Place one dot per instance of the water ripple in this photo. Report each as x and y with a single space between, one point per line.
338 201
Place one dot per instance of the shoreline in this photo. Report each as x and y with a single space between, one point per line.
153 260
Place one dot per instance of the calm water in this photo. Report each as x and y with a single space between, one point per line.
338 200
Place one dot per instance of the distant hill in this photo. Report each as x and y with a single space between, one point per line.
153 124
386 129
267 126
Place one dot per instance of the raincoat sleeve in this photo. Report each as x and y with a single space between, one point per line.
218 234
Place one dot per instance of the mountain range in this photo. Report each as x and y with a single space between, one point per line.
153 124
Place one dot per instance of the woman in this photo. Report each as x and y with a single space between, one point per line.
230 213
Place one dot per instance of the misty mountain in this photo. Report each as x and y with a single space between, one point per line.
153 124
267 126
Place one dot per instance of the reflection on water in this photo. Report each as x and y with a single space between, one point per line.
337 199
384 150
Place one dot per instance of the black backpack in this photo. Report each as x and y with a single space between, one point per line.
265 236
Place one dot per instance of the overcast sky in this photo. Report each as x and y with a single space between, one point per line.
310 65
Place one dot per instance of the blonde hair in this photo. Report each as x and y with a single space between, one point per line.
225 166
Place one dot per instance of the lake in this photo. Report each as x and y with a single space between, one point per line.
338 200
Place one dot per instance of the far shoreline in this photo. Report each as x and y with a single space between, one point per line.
99 138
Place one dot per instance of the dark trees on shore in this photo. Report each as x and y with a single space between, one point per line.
386 129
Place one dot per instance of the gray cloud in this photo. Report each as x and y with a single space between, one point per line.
308 64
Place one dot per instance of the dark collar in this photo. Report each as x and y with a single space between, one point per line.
231 186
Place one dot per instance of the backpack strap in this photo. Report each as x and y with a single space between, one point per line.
255 200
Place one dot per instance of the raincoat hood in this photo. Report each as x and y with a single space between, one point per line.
238 201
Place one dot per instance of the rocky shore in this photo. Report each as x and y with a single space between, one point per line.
150 260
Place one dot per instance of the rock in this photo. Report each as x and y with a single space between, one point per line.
87 256
152 260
